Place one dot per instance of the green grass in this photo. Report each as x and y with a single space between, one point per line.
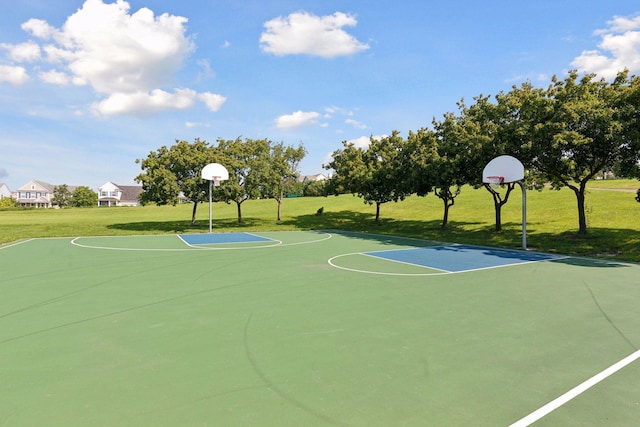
613 218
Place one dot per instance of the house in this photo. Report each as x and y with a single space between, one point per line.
4 191
312 178
35 194
111 194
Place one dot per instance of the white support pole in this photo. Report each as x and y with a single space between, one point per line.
524 215
210 207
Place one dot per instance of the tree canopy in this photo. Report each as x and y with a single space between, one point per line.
252 166
565 135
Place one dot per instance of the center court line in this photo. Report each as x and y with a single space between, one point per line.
576 391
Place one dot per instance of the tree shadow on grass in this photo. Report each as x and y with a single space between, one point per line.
612 245
169 227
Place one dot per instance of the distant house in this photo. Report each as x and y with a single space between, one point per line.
311 178
4 191
111 194
35 194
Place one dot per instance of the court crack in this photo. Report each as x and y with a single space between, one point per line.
606 316
273 387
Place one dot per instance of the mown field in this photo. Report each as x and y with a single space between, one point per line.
613 218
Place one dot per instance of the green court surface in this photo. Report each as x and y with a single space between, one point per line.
313 329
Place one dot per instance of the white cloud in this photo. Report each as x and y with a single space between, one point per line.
297 119
55 77
362 142
212 100
23 52
129 58
114 51
619 48
13 75
145 103
355 124
304 33
190 125
39 28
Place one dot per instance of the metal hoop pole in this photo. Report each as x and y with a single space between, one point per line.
524 215
210 207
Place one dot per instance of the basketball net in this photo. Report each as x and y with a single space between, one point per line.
216 181
495 182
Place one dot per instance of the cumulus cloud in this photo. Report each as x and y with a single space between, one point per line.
213 101
55 77
145 103
22 52
12 74
39 28
356 124
304 33
129 58
619 48
297 119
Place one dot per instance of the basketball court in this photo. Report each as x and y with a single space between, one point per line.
320 328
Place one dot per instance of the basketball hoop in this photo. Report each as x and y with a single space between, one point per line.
495 181
214 173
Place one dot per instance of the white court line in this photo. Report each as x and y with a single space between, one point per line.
190 247
576 391
16 243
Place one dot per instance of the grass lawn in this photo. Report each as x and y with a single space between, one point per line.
613 218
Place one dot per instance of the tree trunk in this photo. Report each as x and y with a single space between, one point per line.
582 216
377 211
445 217
498 208
498 202
239 204
193 213
279 200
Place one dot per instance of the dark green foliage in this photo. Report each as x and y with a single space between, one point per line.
83 197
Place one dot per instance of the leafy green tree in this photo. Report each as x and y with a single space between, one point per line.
83 197
248 163
574 133
61 196
375 174
314 188
490 130
628 110
282 171
171 170
8 202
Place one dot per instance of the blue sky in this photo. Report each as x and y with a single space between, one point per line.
88 87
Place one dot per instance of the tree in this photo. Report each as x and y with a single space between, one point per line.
574 133
282 172
490 130
61 196
171 170
314 188
454 160
8 202
375 174
83 197
248 163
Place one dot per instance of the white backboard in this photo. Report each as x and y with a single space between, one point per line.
215 170
508 167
